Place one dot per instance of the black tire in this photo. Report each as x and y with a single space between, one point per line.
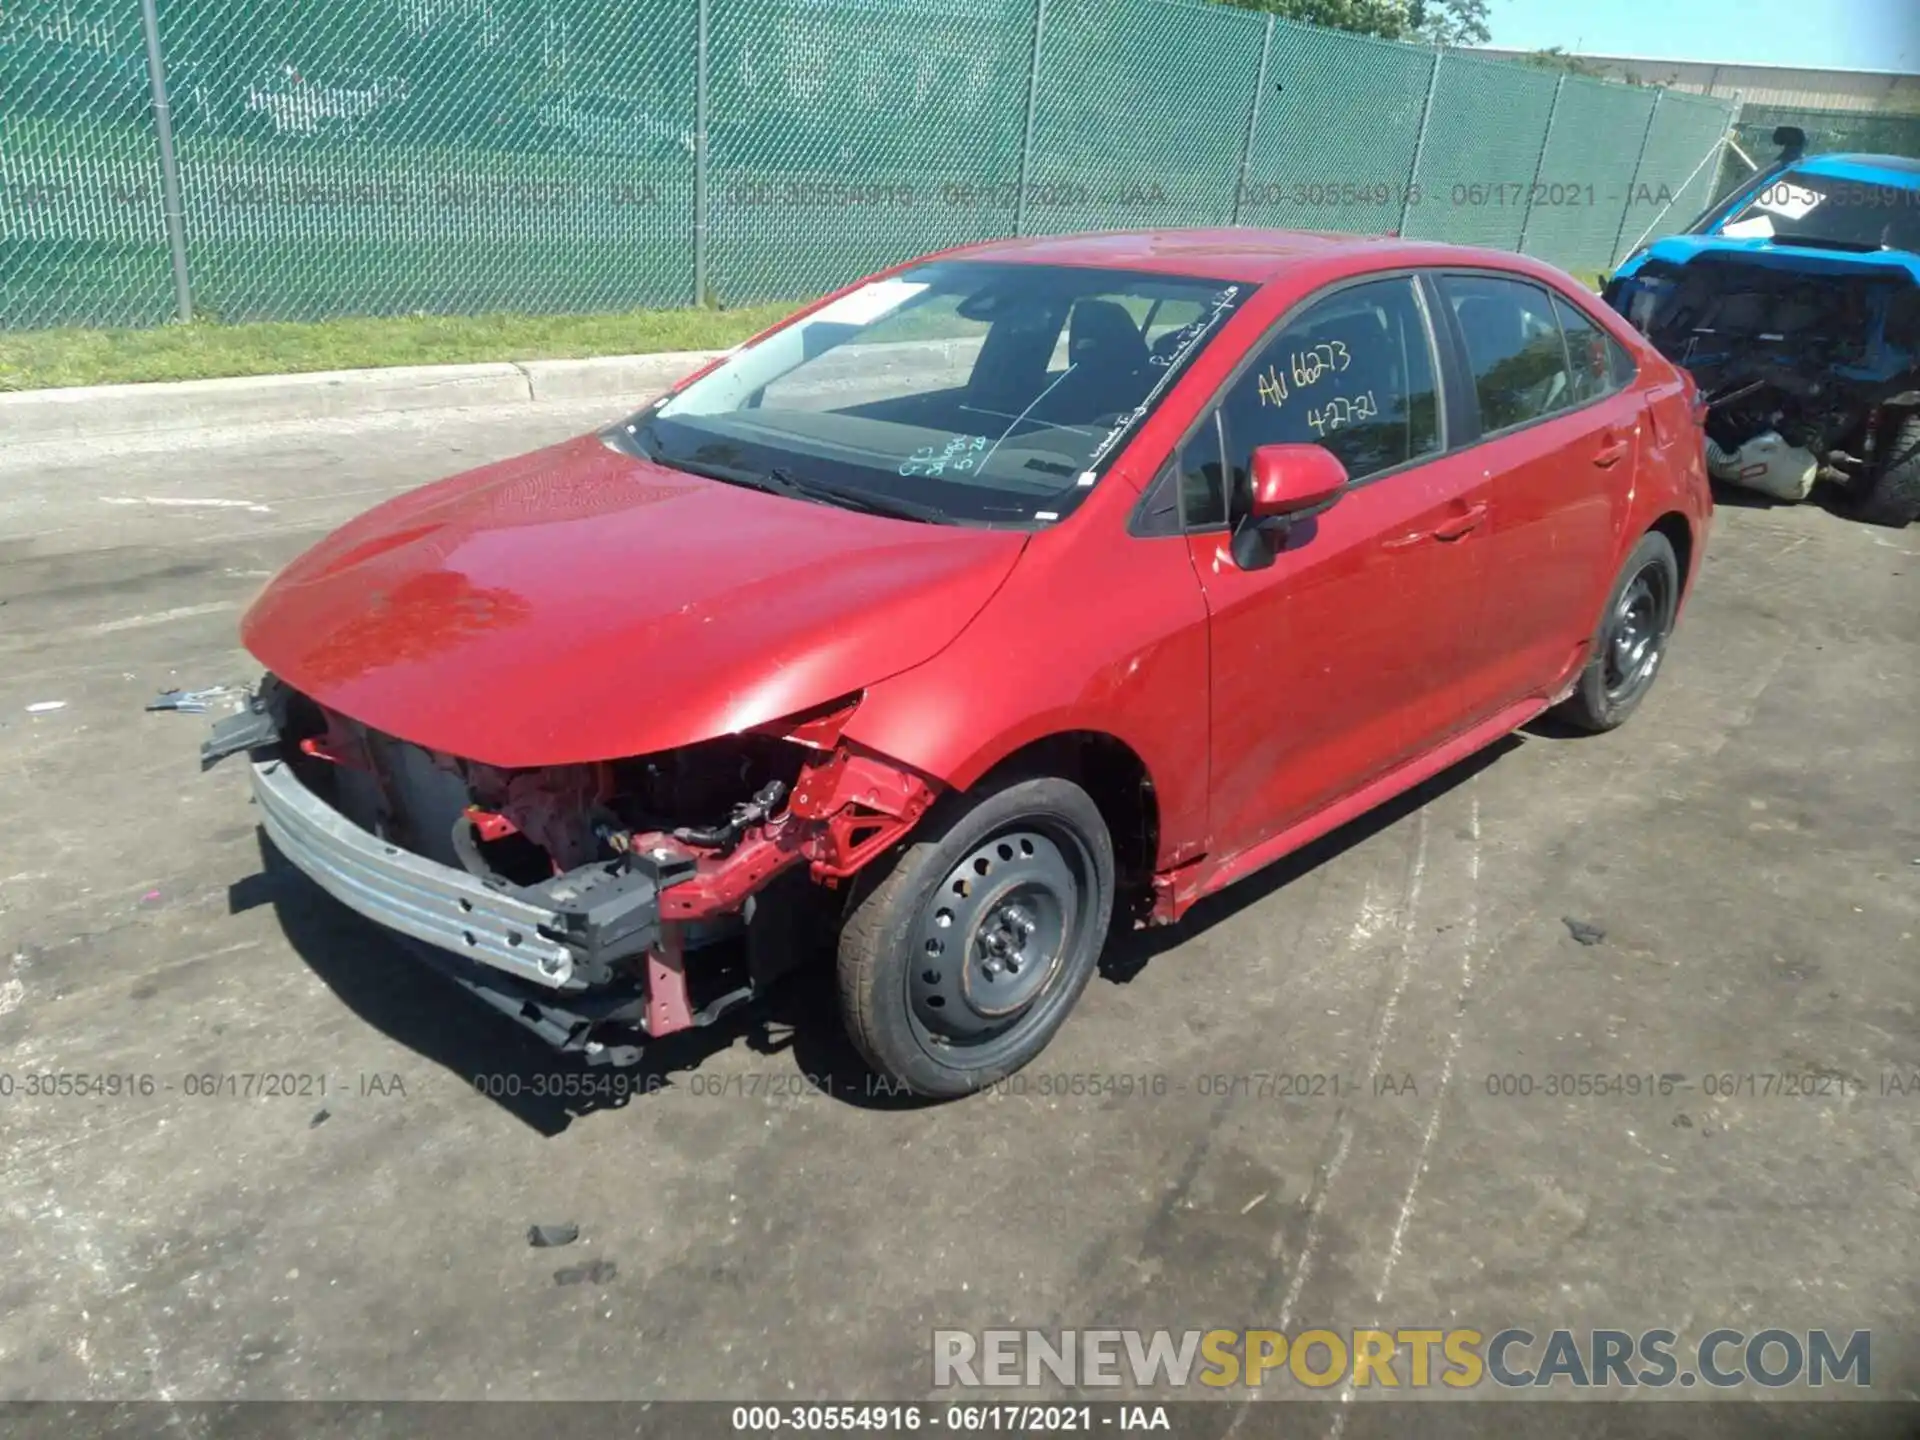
1631 639
1893 496
1027 920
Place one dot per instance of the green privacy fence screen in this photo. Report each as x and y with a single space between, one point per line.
1868 132
311 158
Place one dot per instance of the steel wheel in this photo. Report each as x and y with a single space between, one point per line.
966 951
990 939
1630 640
1637 633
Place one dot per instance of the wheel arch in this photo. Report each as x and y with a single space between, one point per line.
1113 773
1678 531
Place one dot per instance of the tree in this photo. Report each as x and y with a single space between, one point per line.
1386 19
1555 58
1449 22
1437 22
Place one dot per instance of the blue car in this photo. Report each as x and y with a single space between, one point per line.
1795 303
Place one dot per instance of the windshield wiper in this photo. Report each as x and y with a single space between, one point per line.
785 482
781 481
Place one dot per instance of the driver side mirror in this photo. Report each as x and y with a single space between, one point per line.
1291 483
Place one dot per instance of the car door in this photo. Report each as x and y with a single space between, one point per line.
1334 662
1559 440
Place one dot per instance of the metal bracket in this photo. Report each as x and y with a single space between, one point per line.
612 910
256 727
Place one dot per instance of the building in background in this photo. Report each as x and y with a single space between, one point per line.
1772 85
1875 112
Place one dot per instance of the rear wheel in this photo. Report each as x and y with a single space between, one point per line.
1631 640
964 956
1892 497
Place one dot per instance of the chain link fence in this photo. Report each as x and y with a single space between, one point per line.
315 158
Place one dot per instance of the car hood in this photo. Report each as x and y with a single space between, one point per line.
1759 250
583 604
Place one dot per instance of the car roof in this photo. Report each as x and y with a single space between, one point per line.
1238 252
1898 170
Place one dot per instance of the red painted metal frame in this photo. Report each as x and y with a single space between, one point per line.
847 807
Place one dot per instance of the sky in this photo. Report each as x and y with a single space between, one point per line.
1842 34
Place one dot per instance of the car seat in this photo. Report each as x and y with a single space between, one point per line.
1107 359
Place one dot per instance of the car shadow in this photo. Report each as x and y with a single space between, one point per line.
1830 498
375 976
1127 955
1549 726
1735 497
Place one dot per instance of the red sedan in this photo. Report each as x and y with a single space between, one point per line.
1018 592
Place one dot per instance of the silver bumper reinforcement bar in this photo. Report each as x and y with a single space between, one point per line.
564 934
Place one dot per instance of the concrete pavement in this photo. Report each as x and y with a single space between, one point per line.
756 1223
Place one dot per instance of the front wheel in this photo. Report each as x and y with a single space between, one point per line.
961 961
1892 495
1631 639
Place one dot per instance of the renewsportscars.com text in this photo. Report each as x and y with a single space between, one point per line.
1402 1358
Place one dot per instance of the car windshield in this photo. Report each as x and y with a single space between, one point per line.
955 391
1806 209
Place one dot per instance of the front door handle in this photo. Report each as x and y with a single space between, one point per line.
1454 526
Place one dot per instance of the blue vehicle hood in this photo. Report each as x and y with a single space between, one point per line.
1874 169
1759 250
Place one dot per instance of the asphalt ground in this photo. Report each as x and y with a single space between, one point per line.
755 1221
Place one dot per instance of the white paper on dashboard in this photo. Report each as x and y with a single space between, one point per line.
1789 201
868 303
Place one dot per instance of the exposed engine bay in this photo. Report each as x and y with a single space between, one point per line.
621 866
1801 372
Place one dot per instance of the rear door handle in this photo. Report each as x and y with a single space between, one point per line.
1614 448
1454 526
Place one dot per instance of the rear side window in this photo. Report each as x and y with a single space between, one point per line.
1514 348
1625 367
1353 372
1598 363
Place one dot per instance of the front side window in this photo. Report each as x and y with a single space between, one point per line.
1353 372
960 391
1514 348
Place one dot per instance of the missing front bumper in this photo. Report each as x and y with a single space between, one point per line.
601 947
565 934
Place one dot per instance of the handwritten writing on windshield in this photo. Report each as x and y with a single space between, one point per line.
1193 335
962 454
1341 411
1307 368
1189 334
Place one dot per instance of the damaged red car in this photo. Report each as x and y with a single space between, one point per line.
1017 594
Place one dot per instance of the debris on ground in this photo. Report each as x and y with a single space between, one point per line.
41 707
193 702
320 1117
598 1272
1583 931
545 1237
